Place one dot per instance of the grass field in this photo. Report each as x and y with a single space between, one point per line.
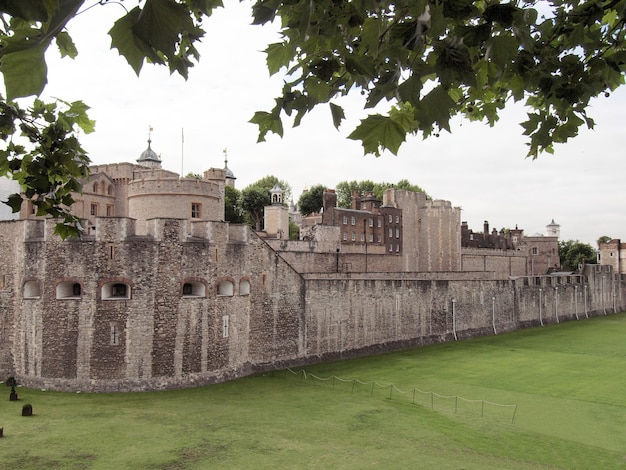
568 383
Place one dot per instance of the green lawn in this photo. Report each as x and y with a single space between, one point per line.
567 380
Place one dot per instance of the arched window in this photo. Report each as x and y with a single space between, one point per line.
110 190
68 290
115 291
194 289
244 287
31 290
225 288
95 187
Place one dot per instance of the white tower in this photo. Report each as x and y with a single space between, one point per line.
553 229
276 215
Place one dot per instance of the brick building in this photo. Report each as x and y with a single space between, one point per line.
510 252
367 222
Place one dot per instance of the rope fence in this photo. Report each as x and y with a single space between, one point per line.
414 396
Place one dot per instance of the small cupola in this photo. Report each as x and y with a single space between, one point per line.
276 194
230 176
149 157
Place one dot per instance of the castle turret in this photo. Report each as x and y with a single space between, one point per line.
553 229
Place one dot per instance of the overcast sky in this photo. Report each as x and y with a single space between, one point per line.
481 169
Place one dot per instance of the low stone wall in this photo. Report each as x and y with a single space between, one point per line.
357 315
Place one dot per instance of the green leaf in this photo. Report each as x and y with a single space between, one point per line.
337 113
267 122
278 56
410 89
14 202
263 13
318 90
79 110
502 49
160 24
377 132
129 45
205 6
66 45
29 11
25 72
435 107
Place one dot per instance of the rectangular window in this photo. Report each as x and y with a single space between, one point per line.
397 219
371 222
353 236
109 210
345 220
94 209
352 220
380 223
390 248
196 210
390 218
371 237
390 233
380 238
362 237
397 248
225 326
345 236
535 250
397 233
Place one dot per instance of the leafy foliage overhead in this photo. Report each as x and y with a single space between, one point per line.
50 164
431 60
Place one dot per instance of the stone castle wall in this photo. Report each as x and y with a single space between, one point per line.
163 338
434 240
504 263
208 302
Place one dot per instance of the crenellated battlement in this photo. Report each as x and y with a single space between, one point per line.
123 229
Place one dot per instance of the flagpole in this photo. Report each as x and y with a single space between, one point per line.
182 151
